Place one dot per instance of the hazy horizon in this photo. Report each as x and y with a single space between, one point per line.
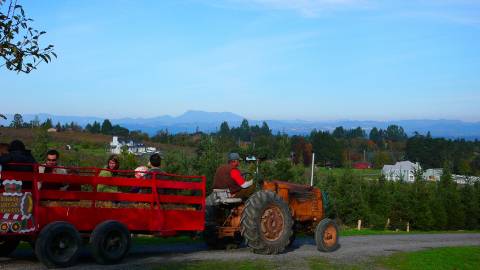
238 114
311 60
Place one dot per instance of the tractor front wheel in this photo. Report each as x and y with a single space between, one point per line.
326 235
266 223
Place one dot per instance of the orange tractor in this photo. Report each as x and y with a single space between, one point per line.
269 219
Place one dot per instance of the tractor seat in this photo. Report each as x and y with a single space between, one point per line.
224 196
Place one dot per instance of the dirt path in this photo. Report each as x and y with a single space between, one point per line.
353 249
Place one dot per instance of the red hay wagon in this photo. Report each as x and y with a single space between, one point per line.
56 213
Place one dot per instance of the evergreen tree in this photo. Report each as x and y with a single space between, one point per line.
438 210
451 201
339 132
283 170
422 218
224 129
476 188
178 162
400 212
40 147
471 208
127 160
96 128
208 159
379 201
395 133
244 130
88 128
326 148
351 201
47 124
106 127
265 129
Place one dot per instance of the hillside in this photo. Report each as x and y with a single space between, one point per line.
86 149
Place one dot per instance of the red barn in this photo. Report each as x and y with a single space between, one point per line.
362 165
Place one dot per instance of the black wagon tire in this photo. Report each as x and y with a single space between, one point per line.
8 245
110 242
266 223
58 245
326 235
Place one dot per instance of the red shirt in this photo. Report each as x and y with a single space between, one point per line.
237 176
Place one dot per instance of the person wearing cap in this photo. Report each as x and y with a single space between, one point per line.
229 177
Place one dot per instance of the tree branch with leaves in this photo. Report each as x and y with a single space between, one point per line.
20 50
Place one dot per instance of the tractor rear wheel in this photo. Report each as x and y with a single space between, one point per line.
326 235
266 223
7 246
58 245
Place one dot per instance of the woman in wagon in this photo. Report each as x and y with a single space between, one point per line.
110 170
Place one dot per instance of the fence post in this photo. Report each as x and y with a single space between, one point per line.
408 226
387 225
359 225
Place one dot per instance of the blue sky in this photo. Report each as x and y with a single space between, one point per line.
263 59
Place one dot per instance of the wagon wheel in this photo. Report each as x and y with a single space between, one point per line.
110 242
326 235
58 245
266 223
8 245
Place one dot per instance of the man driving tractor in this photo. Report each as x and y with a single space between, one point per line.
229 177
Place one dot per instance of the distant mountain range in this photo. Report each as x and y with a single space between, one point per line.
191 121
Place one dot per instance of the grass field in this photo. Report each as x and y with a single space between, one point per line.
337 172
435 259
449 258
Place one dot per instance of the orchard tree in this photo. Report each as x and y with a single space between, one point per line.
20 50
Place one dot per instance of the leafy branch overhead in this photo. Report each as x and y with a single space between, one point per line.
19 41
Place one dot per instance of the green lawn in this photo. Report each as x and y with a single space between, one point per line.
435 259
230 265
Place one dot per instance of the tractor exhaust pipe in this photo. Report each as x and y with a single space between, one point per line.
313 165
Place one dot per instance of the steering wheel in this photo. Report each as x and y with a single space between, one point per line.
247 176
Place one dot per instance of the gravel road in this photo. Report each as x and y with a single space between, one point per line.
353 249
